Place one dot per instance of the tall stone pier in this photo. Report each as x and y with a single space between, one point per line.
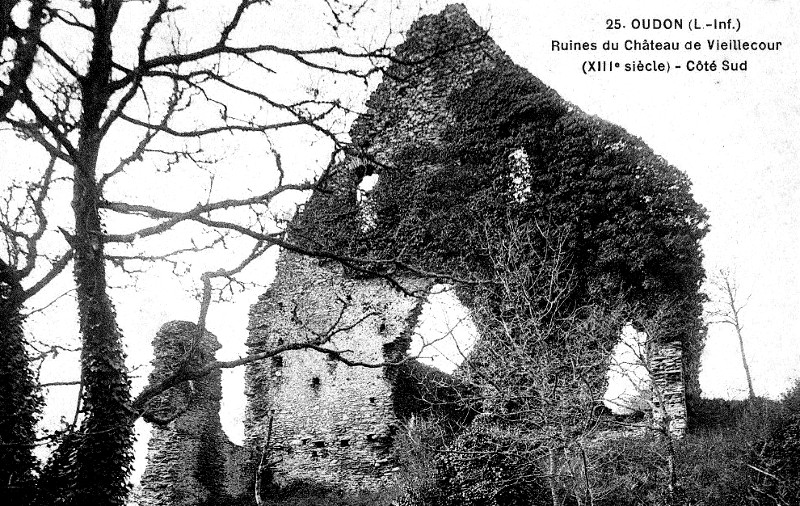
669 391
189 457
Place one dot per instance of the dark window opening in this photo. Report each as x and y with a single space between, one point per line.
372 400
363 171
344 442
277 361
315 383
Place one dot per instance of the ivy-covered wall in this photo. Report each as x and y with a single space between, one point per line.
467 146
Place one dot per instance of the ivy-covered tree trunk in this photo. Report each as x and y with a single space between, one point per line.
19 399
92 465
103 452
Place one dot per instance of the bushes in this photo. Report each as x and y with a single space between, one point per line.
483 466
302 493
774 461
490 466
742 453
712 467
628 471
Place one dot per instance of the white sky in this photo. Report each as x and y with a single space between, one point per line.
734 134
445 333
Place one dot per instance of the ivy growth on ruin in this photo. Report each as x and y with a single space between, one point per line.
630 225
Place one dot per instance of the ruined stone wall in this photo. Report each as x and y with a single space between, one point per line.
409 107
331 423
187 459
666 368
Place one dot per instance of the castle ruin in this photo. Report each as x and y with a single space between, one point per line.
317 419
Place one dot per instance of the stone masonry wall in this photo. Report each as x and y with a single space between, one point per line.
666 368
409 107
331 423
186 459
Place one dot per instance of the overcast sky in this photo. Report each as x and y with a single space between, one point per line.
734 133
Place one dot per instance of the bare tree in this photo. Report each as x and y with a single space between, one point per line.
727 307
119 93
18 47
83 75
538 373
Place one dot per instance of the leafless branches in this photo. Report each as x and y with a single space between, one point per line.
726 308
112 92
187 371
18 47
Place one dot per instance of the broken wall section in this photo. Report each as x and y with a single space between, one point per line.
669 391
190 460
331 423
410 106
646 376
408 112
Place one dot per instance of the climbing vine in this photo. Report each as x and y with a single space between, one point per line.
20 400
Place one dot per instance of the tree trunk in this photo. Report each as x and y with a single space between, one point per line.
19 400
733 319
104 454
752 392
552 473
92 466
27 44
672 475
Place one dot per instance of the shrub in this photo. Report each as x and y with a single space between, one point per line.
775 459
483 466
303 493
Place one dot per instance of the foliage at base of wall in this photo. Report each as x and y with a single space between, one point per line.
743 453
422 390
302 493
750 458
483 466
